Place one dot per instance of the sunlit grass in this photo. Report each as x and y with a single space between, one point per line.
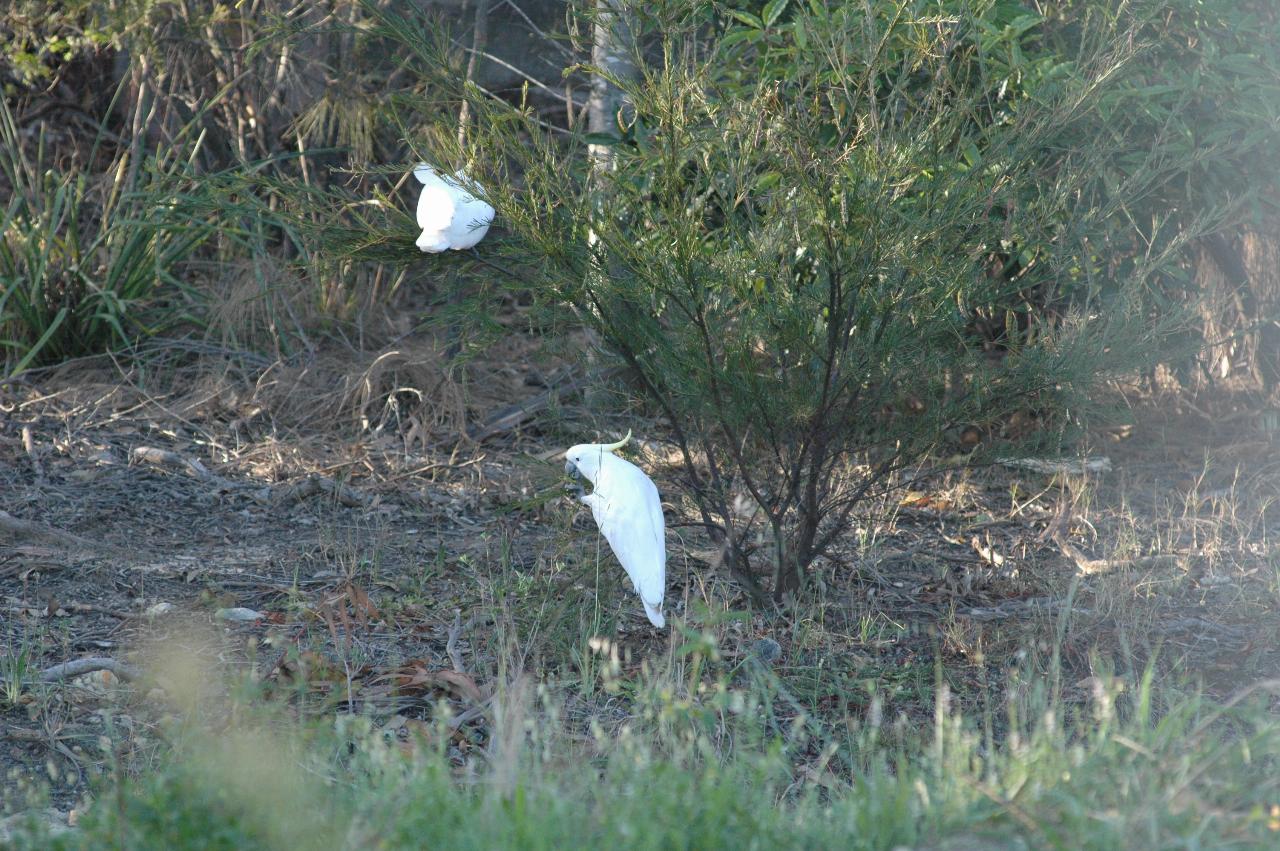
698 758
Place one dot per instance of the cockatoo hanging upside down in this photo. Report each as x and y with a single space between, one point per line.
625 505
450 211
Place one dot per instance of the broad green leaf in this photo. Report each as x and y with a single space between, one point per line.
801 35
772 11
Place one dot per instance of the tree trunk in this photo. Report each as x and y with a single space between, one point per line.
611 52
479 43
1240 286
1260 254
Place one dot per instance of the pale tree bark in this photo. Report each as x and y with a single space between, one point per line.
479 43
612 52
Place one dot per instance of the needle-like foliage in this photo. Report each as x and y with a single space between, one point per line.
794 259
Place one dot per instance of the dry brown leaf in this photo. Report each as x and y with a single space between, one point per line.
416 676
920 499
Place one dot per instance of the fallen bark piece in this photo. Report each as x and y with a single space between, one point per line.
1021 608
238 614
165 458
76 667
1070 466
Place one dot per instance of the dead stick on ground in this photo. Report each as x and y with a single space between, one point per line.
508 418
451 646
33 530
313 485
29 445
163 457
76 667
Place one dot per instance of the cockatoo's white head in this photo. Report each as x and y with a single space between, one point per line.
585 459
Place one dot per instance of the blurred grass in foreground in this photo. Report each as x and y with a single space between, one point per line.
695 761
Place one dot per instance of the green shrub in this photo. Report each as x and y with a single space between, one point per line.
84 264
792 251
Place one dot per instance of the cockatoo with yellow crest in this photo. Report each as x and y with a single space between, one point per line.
626 507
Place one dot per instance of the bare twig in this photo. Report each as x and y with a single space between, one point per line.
550 40
533 81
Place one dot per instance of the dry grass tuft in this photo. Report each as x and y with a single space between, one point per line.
409 388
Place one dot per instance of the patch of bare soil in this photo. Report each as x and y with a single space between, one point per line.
216 518
361 551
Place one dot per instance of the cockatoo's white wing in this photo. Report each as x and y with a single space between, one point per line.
449 211
471 221
630 518
425 173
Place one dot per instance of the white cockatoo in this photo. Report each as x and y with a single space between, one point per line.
450 212
625 505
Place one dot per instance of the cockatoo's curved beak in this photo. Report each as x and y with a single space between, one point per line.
576 487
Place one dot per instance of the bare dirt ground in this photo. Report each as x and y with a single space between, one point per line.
377 563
